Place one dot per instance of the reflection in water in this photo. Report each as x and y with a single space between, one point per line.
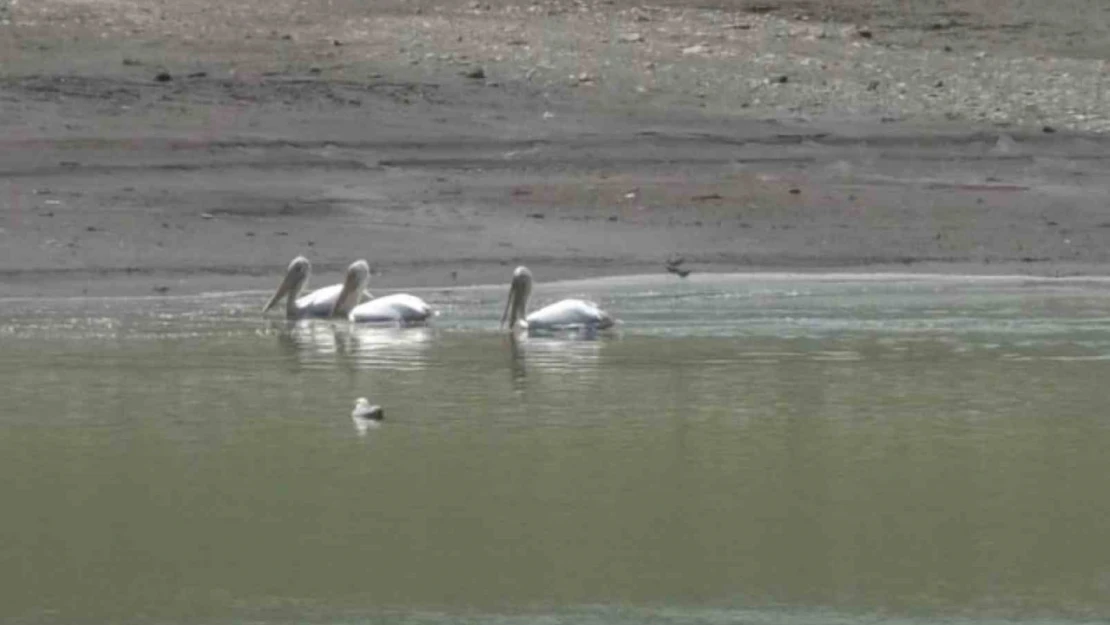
364 425
837 453
577 354
301 337
518 367
323 343
393 348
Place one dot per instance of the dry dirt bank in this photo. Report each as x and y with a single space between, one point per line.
196 145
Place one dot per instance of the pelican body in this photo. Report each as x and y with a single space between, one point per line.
400 308
330 301
567 313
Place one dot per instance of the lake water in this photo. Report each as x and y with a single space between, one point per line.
754 449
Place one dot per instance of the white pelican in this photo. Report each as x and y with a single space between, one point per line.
567 313
399 308
321 302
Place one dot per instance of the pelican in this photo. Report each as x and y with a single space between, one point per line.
398 308
567 313
321 302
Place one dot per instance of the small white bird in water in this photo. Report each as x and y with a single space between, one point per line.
567 313
363 410
366 416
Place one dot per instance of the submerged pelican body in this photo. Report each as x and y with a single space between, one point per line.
567 313
336 299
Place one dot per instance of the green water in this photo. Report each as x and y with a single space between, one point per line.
754 449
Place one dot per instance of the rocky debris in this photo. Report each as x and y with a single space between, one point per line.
672 52
584 79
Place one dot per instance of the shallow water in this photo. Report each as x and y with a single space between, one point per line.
772 448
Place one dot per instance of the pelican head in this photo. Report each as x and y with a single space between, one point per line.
520 289
363 410
295 278
354 286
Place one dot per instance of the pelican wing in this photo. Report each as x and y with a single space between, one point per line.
570 313
399 308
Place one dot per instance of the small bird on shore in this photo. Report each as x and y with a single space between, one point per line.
674 265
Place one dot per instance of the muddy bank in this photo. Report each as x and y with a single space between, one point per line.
206 149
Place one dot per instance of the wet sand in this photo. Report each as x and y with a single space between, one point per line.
199 147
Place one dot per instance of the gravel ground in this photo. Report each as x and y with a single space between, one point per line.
1003 63
200 144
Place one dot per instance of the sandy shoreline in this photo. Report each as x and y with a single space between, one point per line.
239 288
384 143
